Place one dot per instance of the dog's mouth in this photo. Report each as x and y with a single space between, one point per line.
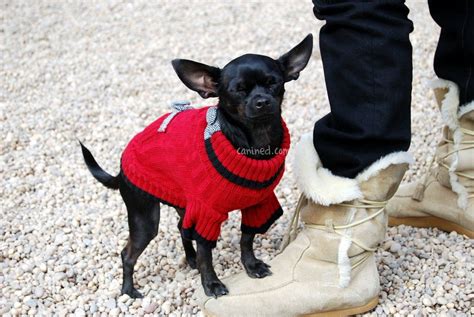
263 117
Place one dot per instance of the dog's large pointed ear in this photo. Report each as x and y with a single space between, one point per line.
297 58
198 77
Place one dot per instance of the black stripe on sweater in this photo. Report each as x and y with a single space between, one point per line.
236 179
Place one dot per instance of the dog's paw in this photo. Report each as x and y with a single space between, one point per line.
257 269
215 289
132 292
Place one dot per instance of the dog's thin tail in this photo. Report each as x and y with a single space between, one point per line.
102 176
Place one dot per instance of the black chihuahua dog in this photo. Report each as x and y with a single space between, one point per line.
250 90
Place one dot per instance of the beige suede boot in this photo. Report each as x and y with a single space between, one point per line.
445 198
329 268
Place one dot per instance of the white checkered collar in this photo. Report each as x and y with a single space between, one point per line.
213 125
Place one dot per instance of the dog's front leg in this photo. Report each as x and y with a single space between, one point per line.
255 268
211 284
187 244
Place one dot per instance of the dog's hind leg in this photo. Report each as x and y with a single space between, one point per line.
143 220
187 244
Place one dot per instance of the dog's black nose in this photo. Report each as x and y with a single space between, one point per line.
262 103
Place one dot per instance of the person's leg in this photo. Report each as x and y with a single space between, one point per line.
367 59
454 58
444 197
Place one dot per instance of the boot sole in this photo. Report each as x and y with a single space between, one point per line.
337 313
428 222
348 311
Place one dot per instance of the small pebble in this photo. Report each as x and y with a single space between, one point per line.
79 312
395 247
150 308
441 301
166 307
110 303
38 292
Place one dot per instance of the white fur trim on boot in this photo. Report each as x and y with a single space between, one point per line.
466 108
325 188
317 182
384 162
450 103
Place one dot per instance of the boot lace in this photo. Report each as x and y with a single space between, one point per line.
421 187
329 225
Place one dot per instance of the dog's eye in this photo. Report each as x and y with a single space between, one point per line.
240 88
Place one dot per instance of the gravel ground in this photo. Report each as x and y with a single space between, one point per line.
100 72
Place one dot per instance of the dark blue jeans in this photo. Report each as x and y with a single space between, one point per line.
367 60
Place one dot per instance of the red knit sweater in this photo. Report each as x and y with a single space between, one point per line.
184 160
